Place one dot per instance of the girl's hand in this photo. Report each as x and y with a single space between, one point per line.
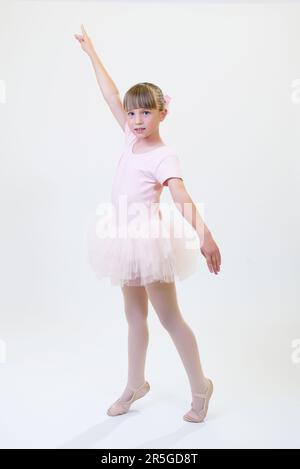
211 252
85 41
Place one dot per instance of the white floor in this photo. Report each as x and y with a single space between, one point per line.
58 381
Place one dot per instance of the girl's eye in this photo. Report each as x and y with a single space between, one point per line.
144 112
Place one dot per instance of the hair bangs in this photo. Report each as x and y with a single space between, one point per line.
139 97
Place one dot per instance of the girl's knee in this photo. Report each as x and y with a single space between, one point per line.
170 320
136 316
135 304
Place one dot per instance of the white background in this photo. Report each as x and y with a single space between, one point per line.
233 72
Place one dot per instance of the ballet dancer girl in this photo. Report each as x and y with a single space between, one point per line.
145 267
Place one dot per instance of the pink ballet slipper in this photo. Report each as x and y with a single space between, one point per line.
198 416
121 407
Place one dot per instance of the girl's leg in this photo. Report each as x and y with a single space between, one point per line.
163 297
136 310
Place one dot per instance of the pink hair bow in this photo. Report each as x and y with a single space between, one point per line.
167 100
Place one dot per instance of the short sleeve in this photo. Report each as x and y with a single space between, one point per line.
169 167
129 136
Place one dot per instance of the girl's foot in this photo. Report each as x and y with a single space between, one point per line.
199 404
121 405
127 394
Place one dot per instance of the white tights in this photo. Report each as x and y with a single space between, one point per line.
163 298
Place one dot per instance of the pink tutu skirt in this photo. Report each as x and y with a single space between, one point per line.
142 251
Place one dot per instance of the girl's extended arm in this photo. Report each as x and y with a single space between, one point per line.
106 84
188 209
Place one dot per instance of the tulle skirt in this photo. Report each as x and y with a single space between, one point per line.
142 251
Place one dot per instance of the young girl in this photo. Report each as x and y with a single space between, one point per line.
145 266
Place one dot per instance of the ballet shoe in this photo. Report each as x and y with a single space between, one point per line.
198 416
121 407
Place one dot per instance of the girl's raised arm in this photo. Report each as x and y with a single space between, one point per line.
108 88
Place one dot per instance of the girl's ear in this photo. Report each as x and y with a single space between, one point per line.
164 113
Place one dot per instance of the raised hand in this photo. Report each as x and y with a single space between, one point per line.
85 41
211 252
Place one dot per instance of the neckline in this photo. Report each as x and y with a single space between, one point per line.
145 152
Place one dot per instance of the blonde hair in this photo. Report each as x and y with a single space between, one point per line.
144 95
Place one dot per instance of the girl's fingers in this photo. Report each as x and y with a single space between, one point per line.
83 30
217 268
213 261
214 264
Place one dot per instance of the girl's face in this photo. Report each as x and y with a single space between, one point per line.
147 119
